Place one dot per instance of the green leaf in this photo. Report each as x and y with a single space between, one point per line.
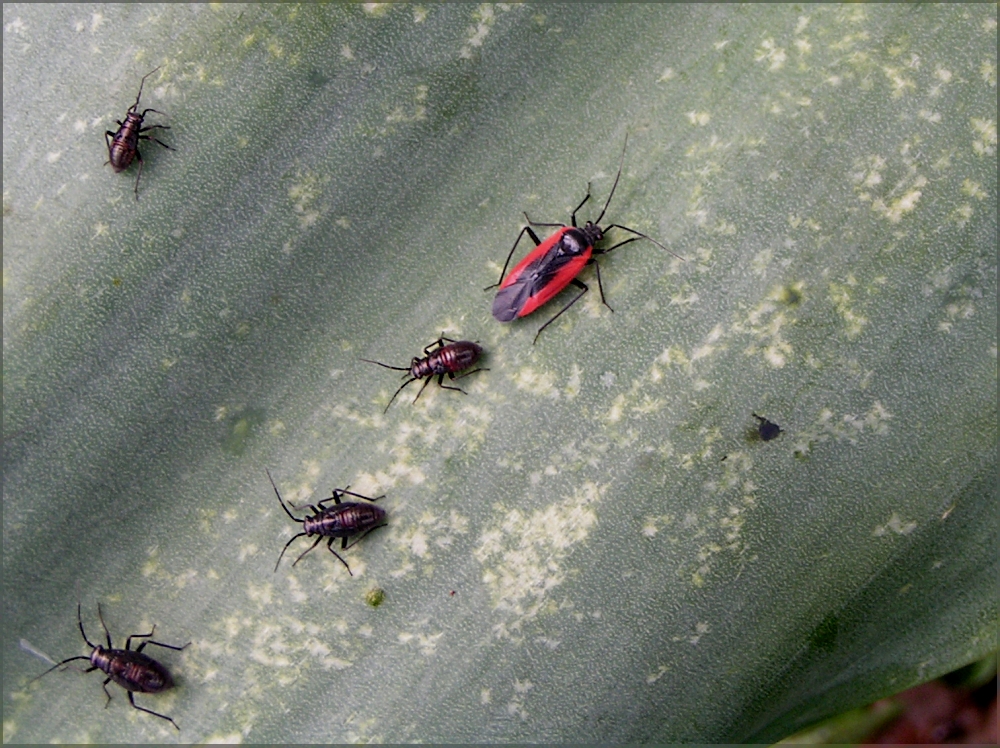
592 544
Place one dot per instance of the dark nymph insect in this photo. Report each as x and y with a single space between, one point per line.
123 145
448 357
131 669
555 262
767 430
342 520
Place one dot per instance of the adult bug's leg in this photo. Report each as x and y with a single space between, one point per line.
462 376
534 237
426 382
156 140
150 711
105 687
579 284
443 386
344 545
360 496
572 216
329 545
161 644
306 550
437 345
600 286
128 642
337 493
616 246
139 175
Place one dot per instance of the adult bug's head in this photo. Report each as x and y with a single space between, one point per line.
593 232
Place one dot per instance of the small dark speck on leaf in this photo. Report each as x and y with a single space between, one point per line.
316 79
790 295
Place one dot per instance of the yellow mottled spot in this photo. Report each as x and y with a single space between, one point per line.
233 738
615 413
894 525
673 355
841 296
986 134
537 384
771 53
572 388
988 72
699 118
523 556
973 189
899 207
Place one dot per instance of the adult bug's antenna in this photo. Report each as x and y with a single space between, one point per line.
280 501
621 163
300 521
79 620
396 368
139 95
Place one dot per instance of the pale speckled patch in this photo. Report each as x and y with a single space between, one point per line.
842 296
426 644
417 539
305 190
536 383
895 526
848 427
515 707
766 323
661 670
720 531
770 53
985 136
484 16
284 644
523 556
416 111
232 738
700 629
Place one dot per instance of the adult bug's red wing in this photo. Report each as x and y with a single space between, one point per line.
539 277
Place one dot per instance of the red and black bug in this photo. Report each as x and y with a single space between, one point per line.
554 263
123 145
343 520
450 358
131 669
